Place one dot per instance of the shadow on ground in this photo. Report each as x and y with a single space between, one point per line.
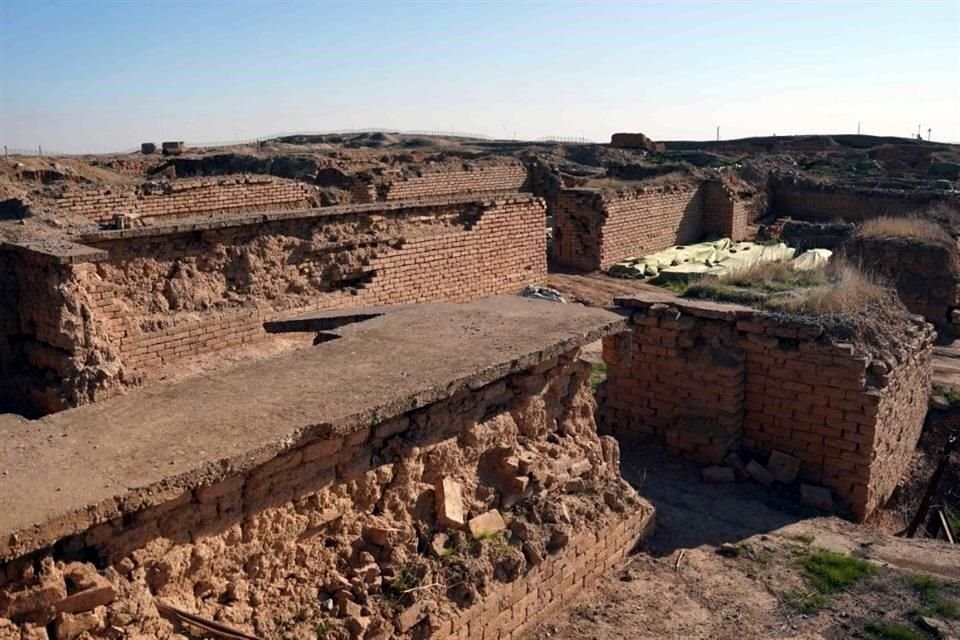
691 512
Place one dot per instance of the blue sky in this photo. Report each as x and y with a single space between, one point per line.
99 76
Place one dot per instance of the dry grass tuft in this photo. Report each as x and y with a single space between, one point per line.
847 290
913 227
836 289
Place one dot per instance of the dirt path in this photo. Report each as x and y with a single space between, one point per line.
679 586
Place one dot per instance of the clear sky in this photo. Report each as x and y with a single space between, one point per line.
101 76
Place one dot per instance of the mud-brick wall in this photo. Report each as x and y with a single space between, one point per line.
470 179
593 229
184 197
9 329
355 515
925 274
711 378
159 299
806 200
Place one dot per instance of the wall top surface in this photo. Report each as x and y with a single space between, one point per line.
71 470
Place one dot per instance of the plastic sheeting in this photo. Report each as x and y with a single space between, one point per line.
715 258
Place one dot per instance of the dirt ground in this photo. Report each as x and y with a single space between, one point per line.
679 586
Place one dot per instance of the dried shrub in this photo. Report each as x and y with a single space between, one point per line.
912 227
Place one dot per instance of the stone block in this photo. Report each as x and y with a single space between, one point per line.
487 524
817 497
718 474
735 462
784 467
450 510
759 473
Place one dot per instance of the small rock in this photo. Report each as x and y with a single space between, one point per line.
718 474
70 626
784 467
533 556
759 473
817 497
728 550
487 524
357 626
438 545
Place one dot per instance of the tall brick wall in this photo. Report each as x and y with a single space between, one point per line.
184 197
710 378
326 504
468 180
593 229
160 298
806 200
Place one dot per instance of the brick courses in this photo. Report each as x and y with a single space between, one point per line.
185 197
925 274
298 485
709 378
508 177
824 202
593 228
451 250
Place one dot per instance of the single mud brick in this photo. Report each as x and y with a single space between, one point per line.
410 617
784 467
71 626
718 474
94 589
759 473
487 524
735 462
450 511
817 497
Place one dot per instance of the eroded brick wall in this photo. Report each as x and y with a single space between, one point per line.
593 229
348 516
470 179
806 200
710 378
183 197
925 274
159 299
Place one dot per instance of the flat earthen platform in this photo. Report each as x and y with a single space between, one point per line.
63 473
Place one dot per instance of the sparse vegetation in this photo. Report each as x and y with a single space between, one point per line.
598 374
834 289
826 572
950 394
829 572
892 631
935 596
804 538
913 227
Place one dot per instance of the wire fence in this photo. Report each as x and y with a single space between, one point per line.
39 150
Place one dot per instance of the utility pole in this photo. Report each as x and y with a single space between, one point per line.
39 150
718 135
929 133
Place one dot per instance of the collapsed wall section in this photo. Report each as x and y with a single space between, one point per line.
594 228
711 378
467 179
185 197
158 295
817 201
472 515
